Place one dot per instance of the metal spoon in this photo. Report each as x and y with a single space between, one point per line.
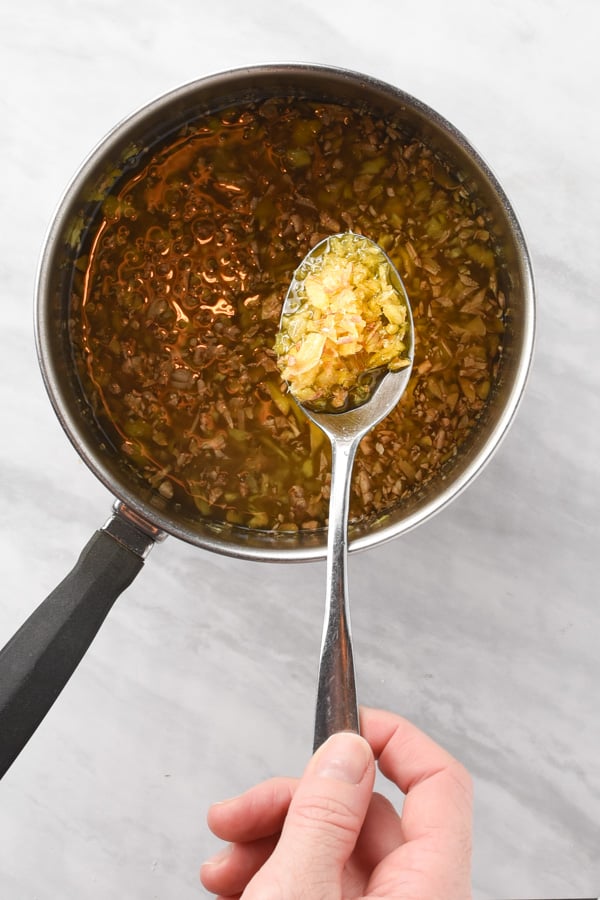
336 706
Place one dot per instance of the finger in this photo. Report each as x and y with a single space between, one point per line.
437 811
324 820
251 823
381 833
438 787
423 770
257 813
406 755
229 872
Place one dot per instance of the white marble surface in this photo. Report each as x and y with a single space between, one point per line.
483 626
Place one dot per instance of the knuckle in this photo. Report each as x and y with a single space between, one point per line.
333 812
462 779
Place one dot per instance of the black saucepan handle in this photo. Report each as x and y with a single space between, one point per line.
40 658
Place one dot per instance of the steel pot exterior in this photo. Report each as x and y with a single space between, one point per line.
121 149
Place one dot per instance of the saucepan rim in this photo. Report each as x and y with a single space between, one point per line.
233 540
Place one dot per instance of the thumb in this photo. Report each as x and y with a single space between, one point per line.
323 822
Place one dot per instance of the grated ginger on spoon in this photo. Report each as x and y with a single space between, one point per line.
346 323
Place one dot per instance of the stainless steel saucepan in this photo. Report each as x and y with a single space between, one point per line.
37 662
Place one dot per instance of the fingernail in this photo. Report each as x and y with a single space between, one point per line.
344 757
220 857
225 802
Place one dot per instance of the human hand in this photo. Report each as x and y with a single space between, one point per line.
327 836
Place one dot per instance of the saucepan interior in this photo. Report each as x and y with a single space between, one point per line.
123 150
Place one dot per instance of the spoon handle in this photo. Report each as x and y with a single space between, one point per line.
337 708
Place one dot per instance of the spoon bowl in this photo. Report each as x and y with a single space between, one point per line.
336 705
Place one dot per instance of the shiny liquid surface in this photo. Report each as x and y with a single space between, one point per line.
178 297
